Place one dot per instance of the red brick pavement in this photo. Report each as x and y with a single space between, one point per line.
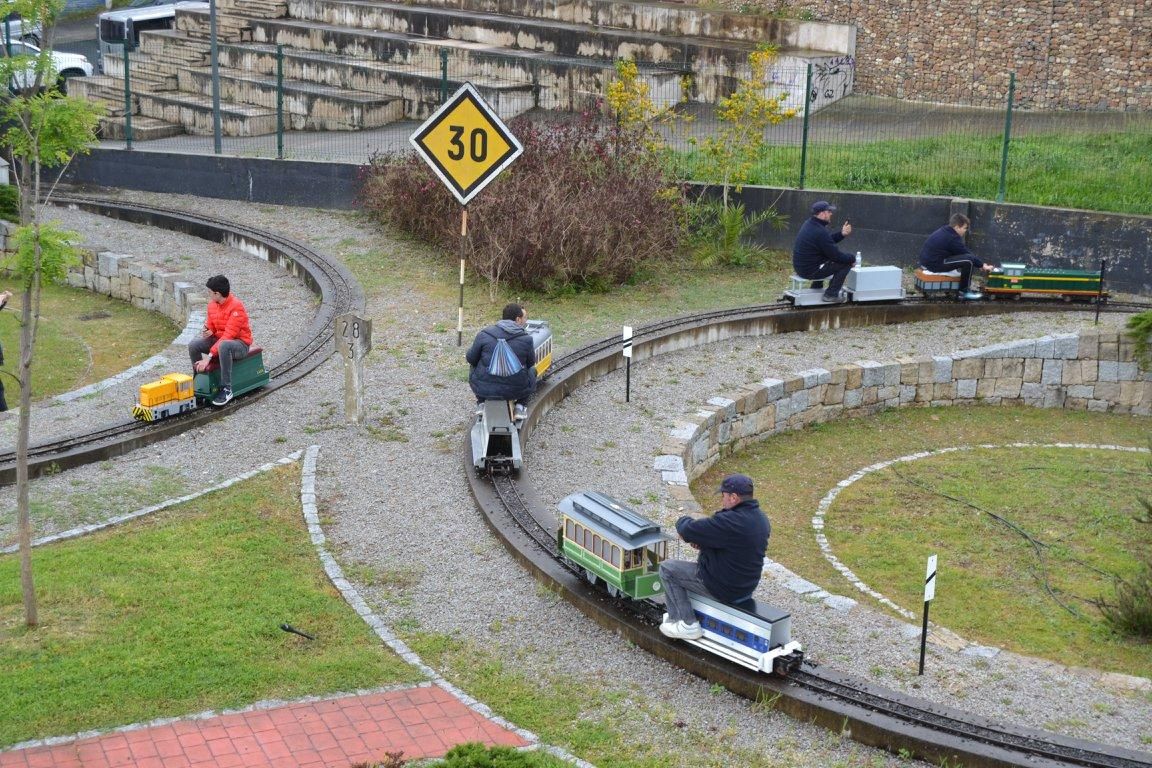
336 733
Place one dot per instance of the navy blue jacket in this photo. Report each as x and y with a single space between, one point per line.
815 246
484 385
732 544
945 243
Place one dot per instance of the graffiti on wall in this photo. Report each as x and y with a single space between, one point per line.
833 78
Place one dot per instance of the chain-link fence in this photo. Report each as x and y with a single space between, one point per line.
282 103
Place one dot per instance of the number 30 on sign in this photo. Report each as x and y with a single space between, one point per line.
465 143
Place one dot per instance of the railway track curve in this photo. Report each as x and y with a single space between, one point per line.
870 713
336 288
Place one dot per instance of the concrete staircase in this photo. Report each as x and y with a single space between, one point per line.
350 65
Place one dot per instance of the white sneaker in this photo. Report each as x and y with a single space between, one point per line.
521 412
680 630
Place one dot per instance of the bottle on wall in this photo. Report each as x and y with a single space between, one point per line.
859 261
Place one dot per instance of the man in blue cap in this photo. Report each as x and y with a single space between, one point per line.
815 255
731 542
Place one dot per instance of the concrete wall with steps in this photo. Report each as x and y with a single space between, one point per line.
551 55
1092 371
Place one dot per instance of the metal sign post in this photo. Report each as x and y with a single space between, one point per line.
929 593
353 340
627 363
467 146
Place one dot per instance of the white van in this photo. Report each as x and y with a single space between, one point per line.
114 27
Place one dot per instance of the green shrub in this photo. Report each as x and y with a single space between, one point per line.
725 235
583 207
9 202
475 755
1130 611
1140 331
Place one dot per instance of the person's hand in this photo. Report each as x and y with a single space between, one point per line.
846 229
987 267
201 366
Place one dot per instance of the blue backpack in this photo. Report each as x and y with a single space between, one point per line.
504 362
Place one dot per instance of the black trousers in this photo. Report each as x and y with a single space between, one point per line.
838 271
960 263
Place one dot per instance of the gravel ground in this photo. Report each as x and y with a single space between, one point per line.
385 485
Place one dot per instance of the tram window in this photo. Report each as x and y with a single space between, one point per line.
615 555
569 529
587 539
597 549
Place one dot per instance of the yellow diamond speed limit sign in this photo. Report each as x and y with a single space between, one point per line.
465 143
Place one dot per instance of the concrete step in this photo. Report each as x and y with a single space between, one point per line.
172 46
106 90
194 112
261 9
419 86
662 19
143 128
561 82
307 106
687 52
147 73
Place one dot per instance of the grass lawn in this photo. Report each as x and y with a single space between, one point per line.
995 587
1093 171
180 612
83 338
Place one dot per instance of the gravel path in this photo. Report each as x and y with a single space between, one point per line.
392 496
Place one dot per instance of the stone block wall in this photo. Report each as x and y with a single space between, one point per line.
1094 54
1093 371
130 279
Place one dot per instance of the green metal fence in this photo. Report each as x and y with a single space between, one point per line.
854 142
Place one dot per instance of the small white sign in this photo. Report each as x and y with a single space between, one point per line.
930 580
627 341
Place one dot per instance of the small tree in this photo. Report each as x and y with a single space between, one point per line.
1130 611
730 154
41 129
1140 331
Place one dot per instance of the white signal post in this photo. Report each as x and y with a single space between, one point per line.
353 337
929 594
467 146
627 363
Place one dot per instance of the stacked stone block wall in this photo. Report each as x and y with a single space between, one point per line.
1094 54
1093 371
129 279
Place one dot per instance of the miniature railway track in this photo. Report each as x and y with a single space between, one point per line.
872 714
336 288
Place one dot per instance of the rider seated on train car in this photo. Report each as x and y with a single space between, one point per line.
227 335
732 544
815 255
520 385
944 251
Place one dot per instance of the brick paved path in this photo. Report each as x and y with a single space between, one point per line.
335 733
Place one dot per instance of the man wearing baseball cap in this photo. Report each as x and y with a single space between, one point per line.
731 542
815 255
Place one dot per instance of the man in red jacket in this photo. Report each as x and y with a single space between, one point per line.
227 336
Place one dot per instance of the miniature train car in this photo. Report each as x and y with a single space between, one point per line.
616 546
1015 280
495 435
177 393
863 284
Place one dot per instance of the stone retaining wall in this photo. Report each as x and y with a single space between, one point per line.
1095 54
1093 371
143 285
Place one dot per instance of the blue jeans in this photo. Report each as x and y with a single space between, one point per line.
681 577
228 351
